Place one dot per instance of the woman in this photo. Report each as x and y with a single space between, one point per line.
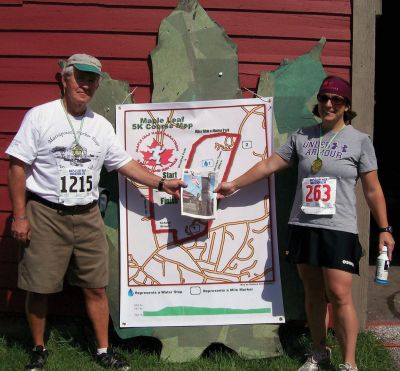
323 241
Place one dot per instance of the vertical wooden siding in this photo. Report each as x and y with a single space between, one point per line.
34 35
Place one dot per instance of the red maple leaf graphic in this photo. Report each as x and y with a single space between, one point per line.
157 155
164 157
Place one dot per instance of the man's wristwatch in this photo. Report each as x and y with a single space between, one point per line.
386 229
160 186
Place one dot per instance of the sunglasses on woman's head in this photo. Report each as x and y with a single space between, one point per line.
335 99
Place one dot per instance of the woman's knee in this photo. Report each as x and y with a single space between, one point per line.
339 294
338 286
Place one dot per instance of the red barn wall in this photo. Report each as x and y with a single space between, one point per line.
34 35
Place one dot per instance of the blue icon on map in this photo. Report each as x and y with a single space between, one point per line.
207 163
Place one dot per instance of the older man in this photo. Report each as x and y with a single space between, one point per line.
55 163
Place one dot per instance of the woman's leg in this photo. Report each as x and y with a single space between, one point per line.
315 303
339 290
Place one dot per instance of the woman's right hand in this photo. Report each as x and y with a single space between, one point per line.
225 189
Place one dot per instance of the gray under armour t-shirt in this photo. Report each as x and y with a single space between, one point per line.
350 153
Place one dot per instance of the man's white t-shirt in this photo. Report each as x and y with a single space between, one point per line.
58 170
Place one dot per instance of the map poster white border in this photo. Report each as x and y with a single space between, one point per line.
177 270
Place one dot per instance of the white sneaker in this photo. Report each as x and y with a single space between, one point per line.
315 359
347 367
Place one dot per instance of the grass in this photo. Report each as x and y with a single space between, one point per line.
70 345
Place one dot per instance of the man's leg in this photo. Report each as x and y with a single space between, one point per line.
98 312
97 308
36 312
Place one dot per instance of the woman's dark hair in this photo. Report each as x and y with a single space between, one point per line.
347 117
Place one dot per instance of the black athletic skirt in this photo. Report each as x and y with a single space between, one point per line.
324 248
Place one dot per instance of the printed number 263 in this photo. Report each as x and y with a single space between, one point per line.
318 192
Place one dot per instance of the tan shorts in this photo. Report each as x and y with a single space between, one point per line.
63 244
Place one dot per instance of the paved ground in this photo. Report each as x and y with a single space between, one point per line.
390 336
383 313
384 300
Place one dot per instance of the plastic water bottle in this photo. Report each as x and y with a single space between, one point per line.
382 267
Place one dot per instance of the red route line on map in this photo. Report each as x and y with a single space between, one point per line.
188 164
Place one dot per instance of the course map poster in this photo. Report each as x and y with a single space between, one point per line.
177 270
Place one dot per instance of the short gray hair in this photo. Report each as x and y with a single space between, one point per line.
67 71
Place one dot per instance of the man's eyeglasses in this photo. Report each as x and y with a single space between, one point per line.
82 77
335 99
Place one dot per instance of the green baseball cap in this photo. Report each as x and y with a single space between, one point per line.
85 62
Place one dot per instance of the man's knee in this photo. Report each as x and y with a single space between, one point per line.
36 298
36 304
95 293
